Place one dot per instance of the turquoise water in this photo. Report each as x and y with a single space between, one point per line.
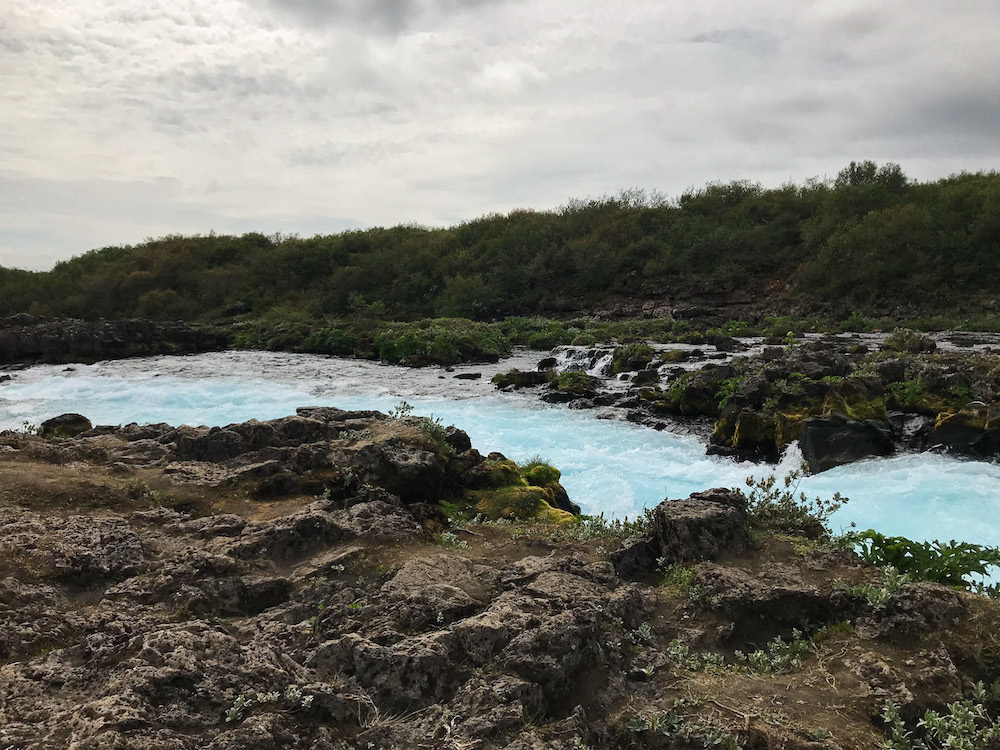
608 466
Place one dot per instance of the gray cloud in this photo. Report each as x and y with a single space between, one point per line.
390 16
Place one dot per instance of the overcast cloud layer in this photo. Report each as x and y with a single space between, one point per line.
125 119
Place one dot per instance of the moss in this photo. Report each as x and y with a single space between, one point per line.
539 474
575 382
788 425
520 503
631 357
856 407
504 473
984 420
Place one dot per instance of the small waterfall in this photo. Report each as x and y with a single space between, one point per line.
596 362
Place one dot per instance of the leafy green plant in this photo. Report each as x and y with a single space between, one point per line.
963 725
877 595
727 390
683 722
950 563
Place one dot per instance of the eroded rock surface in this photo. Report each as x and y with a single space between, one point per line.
203 614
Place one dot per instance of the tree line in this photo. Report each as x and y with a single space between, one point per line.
866 240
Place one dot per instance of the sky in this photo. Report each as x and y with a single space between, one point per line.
128 119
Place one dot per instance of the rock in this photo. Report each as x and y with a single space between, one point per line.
910 430
288 537
832 441
457 439
468 376
80 550
65 426
704 526
765 604
30 339
915 609
521 379
970 432
413 474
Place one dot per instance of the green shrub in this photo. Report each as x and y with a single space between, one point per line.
331 341
950 563
775 507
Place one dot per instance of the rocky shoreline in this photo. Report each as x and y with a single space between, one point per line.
27 340
308 583
843 398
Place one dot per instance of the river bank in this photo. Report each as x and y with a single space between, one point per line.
287 584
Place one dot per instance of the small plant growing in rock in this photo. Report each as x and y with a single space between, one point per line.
776 507
877 595
779 655
400 410
682 722
449 539
435 431
680 654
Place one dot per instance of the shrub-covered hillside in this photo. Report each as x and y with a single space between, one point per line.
870 240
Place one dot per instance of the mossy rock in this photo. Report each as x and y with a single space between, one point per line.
788 425
541 474
672 356
520 378
524 503
858 399
64 426
753 430
631 357
973 419
745 429
504 473
857 408
575 382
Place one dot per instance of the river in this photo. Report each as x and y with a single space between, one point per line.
609 466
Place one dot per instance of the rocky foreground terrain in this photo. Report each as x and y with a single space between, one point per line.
301 583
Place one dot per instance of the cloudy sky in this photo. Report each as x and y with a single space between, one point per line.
127 119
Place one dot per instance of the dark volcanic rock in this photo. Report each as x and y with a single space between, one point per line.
415 475
702 527
65 426
837 440
28 339
968 432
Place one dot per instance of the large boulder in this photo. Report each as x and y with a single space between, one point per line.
415 475
65 426
970 432
705 526
832 441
